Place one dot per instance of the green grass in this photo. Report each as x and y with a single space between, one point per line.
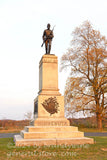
92 130
97 151
14 130
9 131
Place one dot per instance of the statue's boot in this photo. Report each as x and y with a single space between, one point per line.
46 50
49 49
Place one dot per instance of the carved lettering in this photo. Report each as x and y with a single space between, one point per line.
49 60
52 123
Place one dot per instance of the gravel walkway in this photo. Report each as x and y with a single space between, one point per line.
95 134
8 135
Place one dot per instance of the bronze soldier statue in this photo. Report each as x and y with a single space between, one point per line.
47 38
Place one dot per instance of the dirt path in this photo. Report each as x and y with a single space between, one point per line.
104 134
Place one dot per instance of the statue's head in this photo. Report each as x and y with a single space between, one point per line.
48 26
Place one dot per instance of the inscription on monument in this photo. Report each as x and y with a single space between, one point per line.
52 123
49 60
51 105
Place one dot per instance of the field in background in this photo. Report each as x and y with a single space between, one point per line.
84 124
89 122
12 126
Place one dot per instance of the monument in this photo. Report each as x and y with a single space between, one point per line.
50 127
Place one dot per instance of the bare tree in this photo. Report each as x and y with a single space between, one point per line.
86 87
28 115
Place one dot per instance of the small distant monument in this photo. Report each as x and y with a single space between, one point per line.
49 127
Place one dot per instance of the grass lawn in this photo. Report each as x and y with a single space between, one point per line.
17 130
11 130
97 151
92 130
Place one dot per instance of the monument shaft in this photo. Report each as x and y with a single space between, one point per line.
48 75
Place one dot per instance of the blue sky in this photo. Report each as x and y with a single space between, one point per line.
21 27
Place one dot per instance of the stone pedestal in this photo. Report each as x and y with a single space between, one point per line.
48 93
48 75
50 126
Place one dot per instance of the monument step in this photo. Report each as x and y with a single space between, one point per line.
57 134
50 128
19 141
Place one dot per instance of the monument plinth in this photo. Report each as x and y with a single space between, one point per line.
50 127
